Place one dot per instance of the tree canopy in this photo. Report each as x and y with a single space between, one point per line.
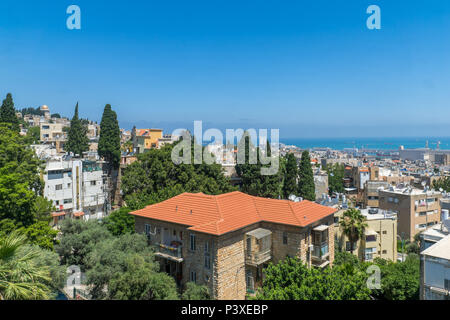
109 141
8 113
77 140
154 178
306 187
291 176
335 178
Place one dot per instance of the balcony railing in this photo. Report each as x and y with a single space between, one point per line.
169 251
320 251
256 258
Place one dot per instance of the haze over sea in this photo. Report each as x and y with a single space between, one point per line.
368 143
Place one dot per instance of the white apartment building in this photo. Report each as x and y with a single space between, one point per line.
76 187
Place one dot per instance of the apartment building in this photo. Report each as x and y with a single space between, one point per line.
53 133
371 194
416 209
380 236
145 139
76 187
435 271
225 241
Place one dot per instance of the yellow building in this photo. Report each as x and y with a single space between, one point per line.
380 237
145 139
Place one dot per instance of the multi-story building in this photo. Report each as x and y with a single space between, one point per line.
76 187
53 133
145 139
371 194
416 209
225 241
320 184
435 271
380 236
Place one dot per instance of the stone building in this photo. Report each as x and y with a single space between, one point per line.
225 241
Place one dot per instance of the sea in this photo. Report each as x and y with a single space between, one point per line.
387 144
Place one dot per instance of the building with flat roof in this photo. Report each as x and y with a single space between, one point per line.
225 241
416 209
380 236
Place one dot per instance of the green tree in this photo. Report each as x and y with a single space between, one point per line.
154 178
139 282
120 222
77 140
306 187
78 239
194 291
8 113
253 182
109 141
20 182
21 278
443 183
290 181
41 234
335 178
399 280
291 279
33 135
353 225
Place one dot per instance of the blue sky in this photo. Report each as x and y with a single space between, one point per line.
309 68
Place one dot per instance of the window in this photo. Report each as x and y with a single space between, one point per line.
67 201
384 251
58 187
68 185
371 238
336 220
349 246
207 255
147 229
369 253
384 232
193 276
93 183
285 238
192 242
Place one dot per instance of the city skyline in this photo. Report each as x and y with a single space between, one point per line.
311 70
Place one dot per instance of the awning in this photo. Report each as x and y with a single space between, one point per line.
322 227
369 232
58 214
259 233
78 214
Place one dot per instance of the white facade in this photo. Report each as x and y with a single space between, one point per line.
75 186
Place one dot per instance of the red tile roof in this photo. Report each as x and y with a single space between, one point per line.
232 211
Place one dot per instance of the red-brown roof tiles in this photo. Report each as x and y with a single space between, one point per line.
231 211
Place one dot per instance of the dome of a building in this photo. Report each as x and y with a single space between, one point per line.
44 107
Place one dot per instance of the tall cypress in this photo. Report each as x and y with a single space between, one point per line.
77 140
306 188
291 174
8 113
109 142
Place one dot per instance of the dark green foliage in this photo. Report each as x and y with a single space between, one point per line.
33 135
253 182
194 291
56 115
32 111
335 178
41 234
120 222
109 142
20 183
443 183
8 113
306 187
154 178
292 280
291 174
78 240
77 140
400 280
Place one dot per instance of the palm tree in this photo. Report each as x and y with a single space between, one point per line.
20 278
353 225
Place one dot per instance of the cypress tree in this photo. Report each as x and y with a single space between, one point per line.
109 142
291 174
77 140
8 113
306 188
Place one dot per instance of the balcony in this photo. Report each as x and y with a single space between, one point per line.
258 246
320 252
171 252
257 258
